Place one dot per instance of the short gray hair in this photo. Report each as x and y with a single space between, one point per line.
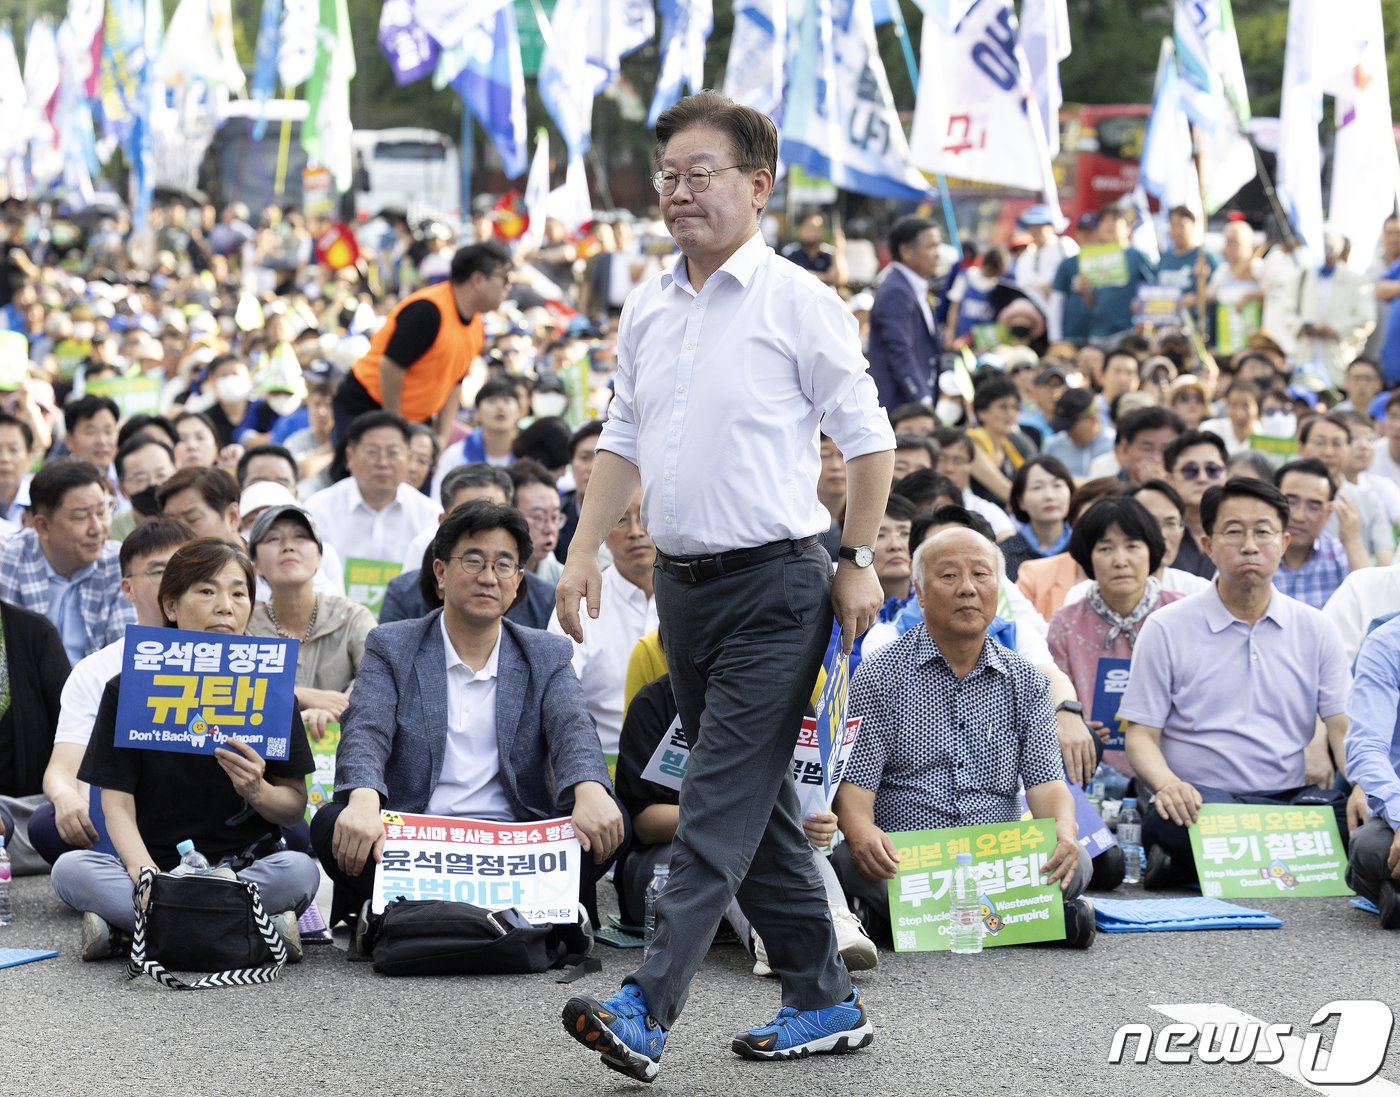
476 475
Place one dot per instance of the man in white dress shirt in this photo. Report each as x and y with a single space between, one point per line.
727 364
372 514
600 661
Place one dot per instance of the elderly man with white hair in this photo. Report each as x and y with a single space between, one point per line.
952 726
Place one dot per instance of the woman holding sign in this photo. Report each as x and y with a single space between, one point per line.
1119 545
232 803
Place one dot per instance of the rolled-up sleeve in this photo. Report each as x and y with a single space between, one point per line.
620 427
1148 698
837 380
1372 715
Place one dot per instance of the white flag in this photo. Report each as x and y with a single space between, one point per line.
685 26
1214 95
296 44
1167 169
568 81
450 21
198 47
1365 168
570 202
1045 35
757 65
537 194
624 27
12 95
976 116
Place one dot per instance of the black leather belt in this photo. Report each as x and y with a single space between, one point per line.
696 569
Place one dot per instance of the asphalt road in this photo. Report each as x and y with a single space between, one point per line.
1034 1021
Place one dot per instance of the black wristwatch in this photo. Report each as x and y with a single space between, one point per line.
862 555
1070 706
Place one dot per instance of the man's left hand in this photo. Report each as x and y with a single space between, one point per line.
1065 859
597 821
1077 746
1317 763
856 598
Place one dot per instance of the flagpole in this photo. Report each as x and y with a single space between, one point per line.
902 32
284 143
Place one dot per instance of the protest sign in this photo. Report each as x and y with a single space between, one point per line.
367 580
320 782
1094 835
190 692
1158 307
530 866
669 760
135 394
1277 450
1110 682
1018 907
1103 265
1257 851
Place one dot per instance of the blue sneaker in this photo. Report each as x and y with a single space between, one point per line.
798 1033
621 1029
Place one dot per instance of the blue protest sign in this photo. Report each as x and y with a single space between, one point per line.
1094 835
831 711
1110 680
190 692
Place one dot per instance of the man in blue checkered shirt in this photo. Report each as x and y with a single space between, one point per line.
1315 563
64 567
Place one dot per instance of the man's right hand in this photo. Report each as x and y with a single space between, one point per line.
873 853
1393 861
581 581
1179 802
70 815
359 832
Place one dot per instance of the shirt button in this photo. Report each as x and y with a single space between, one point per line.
670 521
680 390
670 476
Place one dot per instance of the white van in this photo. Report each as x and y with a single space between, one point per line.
415 170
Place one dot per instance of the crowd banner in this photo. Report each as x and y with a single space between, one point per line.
190 692
1259 851
1018 906
532 866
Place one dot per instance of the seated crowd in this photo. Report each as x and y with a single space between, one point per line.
1218 529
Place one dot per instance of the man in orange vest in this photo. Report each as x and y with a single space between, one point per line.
416 361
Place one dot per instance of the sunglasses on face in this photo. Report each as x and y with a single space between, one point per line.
1210 470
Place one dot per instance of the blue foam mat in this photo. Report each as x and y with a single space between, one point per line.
1168 915
1362 903
13 957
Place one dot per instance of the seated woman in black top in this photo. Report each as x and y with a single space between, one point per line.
33 668
232 804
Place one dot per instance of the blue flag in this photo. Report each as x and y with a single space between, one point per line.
840 121
685 27
493 85
568 81
265 60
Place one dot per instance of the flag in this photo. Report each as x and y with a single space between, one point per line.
1213 95
624 27
1365 168
976 116
1045 36
80 43
493 85
325 135
537 193
198 47
449 22
685 26
757 66
840 122
265 60
296 46
1167 170
1307 62
13 99
568 81
570 203
411 51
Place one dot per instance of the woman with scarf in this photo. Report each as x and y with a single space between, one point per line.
1040 498
1119 545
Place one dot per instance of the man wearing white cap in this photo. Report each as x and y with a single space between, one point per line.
1036 265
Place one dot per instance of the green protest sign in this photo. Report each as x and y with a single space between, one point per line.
1018 907
367 580
135 394
320 782
1258 851
1103 265
1283 448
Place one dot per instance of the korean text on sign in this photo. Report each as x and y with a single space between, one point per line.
1258 851
190 692
1008 860
531 866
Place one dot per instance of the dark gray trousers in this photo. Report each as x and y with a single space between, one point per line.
1366 858
743 652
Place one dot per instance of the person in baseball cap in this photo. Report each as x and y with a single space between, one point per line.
1079 432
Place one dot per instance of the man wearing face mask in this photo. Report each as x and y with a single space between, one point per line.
229 389
550 398
143 464
416 361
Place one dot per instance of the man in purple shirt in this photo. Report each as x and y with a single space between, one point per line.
1228 687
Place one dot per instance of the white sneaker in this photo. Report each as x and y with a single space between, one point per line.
854 944
291 935
760 963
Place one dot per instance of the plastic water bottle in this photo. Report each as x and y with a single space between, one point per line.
1097 787
661 874
6 912
192 862
967 928
1130 839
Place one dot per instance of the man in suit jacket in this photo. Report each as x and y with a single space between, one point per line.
1336 312
903 352
460 714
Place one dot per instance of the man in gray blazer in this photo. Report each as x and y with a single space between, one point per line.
462 714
